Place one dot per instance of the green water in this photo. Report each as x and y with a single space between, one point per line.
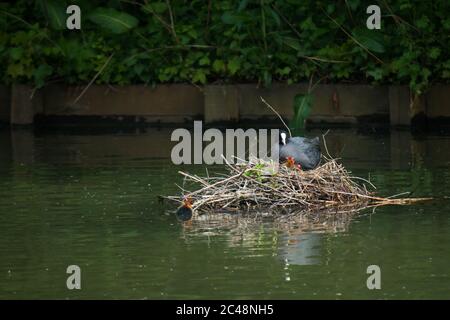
91 200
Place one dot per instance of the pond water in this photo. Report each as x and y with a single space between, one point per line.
90 200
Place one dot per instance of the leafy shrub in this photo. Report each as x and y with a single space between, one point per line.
168 41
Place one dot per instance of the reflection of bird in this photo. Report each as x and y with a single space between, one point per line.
184 212
300 248
304 151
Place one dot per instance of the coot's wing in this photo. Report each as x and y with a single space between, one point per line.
300 141
305 151
300 155
314 156
305 142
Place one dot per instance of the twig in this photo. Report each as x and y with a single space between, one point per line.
94 78
271 108
31 26
353 38
325 143
311 58
172 24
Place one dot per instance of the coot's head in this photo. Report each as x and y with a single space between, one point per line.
184 212
290 162
187 202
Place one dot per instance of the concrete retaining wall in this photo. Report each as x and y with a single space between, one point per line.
165 103
180 103
438 101
331 103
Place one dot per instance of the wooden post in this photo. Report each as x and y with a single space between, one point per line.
221 103
22 104
399 105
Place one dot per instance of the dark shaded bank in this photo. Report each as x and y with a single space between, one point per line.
231 105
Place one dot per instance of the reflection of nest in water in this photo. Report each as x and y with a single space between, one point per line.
264 186
325 221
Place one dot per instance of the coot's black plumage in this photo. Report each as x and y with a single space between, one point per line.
305 151
184 212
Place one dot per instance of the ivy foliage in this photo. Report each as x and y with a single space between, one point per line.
205 41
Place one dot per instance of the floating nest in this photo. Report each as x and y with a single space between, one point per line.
264 186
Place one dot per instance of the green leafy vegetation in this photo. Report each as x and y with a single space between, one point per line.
257 172
227 41
302 109
113 20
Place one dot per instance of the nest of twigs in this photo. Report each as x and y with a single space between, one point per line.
262 185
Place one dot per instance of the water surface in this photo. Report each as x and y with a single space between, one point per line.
91 200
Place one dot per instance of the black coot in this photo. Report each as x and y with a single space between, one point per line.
184 212
305 151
